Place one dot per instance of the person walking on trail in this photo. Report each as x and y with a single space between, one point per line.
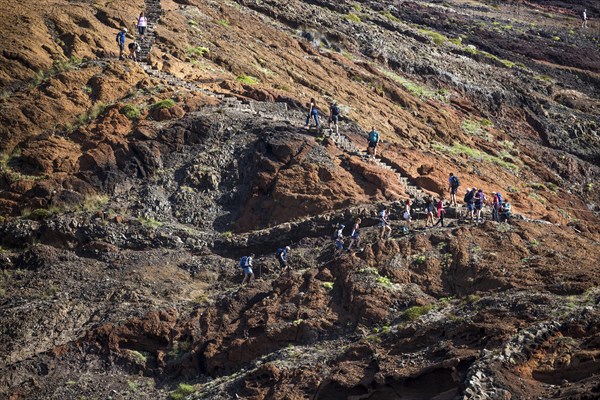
429 204
134 49
373 139
496 204
406 215
281 255
338 237
440 211
355 235
584 19
454 183
142 24
468 199
312 112
246 265
121 42
505 212
479 200
334 116
384 224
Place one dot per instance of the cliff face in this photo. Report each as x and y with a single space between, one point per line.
130 190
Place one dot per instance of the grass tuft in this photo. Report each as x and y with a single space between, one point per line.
130 111
416 312
247 79
166 103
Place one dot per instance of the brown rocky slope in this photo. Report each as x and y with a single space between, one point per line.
129 192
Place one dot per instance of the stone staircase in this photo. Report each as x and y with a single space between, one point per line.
153 13
344 143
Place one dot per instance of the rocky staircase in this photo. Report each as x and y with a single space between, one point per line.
153 13
344 143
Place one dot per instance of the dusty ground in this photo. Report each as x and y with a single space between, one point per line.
124 216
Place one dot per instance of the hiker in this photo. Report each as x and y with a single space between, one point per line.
355 235
246 264
505 212
468 199
497 203
384 223
121 42
479 200
281 256
334 116
584 19
373 141
313 112
454 183
440 211
142 23
406 214
339 239
429 210
134 49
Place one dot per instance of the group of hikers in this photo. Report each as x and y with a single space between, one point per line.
134 47
245 263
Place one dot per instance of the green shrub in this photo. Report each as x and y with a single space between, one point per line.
224 23
437 38
391 17
166 103
353 18
416 312
556 38
130 111
197 52
149 222
38 214
183 390
247 79
327 285
420 259
94 202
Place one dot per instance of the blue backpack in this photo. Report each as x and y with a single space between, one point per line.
499 196
244 262
373 137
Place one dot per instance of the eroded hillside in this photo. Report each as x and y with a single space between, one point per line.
130 190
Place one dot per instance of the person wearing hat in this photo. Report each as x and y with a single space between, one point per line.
281 256
121 42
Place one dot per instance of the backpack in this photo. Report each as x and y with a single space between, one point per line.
499 197
244 262
469 196
335 110
278 253
373 137
455 182
404 230
121 37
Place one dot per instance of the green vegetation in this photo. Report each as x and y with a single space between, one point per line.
247 79
556 38
201 299
414 88
197 52
419 260
589 187
391 16
472 298
224 23
227 234
384 280
353 18
457 41
166 103
90 115
130 111
149 222
537 186
507 144
179 349
58 66
553 187
458 148
38 214
298 321
327 285
191 22
357 8
416 312
139 356
182 391
94 203
437 38
87 89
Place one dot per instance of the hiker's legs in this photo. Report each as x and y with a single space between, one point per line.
307 120
315 115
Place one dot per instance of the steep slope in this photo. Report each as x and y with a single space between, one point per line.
129 191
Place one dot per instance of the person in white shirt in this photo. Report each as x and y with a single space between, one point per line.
142 23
